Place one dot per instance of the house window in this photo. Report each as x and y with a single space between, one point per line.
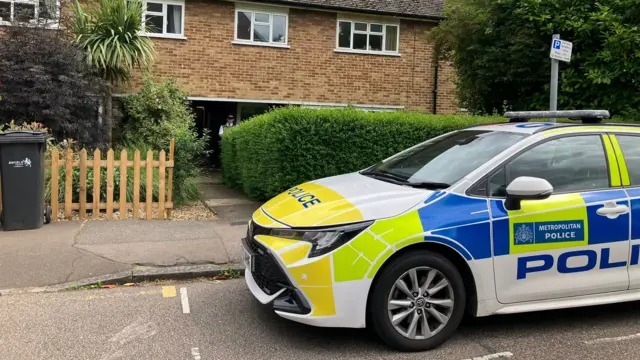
28 11
371 37
164 18
261 27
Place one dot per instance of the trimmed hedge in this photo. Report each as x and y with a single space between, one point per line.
288 146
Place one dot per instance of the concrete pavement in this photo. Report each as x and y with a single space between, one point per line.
69 251
230 205
48 256
86 251
225 322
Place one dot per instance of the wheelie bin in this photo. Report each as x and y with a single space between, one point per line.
22 172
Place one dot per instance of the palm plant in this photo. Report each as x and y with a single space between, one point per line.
110 33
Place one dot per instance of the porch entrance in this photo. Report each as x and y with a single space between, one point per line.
211 115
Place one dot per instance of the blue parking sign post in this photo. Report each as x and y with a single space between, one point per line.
560 51
553 95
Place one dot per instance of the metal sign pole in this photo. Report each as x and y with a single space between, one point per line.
553 98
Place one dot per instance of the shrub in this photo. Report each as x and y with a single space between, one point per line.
44 78
157 113
289 146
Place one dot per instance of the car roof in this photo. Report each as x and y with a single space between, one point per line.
537 127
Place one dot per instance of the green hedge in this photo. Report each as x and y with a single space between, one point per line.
289 146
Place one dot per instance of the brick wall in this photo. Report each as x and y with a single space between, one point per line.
207 64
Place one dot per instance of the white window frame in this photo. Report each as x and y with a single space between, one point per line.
368 32
164 3
51 22
271 11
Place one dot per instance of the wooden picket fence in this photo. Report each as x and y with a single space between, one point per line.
68 163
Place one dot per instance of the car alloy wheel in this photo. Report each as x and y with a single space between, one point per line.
417 301
420 303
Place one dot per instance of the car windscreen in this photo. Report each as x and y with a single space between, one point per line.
441 162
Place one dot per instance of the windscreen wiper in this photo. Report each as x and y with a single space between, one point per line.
431 185
399 180
387 176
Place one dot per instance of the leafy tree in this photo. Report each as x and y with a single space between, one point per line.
109 31
45 79
500 50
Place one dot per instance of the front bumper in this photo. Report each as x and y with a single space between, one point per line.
269 283
299 288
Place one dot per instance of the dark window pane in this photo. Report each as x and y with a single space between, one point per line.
244 25
261 33
375 42
450 158
630 146
24 12
479 189
263 18
361 27
153 24
279 32
498 184
344 34
360 41
570 164
155 7
376 28
391 39
47 9
174 19
5 11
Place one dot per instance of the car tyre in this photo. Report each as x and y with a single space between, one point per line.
423 262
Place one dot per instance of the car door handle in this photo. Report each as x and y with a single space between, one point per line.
612 210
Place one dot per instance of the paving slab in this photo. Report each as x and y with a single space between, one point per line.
230 236
169 253
235 213
230 205
44 256
90 265
132 231
154 243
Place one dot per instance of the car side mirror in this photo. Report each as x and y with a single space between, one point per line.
526 188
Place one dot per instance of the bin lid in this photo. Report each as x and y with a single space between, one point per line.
22 136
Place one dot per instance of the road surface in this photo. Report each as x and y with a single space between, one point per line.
221 320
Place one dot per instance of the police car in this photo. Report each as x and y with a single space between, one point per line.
493 219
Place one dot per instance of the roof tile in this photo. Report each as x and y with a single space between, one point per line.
414 8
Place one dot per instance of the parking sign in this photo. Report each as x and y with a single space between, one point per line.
561 50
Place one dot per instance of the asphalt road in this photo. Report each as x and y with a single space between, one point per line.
225 322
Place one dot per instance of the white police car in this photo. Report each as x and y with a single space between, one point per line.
493 219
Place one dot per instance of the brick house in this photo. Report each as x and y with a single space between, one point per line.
242 57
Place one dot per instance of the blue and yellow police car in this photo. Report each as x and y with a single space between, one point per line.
504 218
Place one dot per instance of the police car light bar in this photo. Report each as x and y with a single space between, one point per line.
587 116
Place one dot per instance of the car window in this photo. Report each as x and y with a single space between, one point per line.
448 159
630 146
570 164
498 184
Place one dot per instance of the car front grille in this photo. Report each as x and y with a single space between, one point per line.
267 273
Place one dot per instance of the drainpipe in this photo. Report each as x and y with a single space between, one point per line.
435 88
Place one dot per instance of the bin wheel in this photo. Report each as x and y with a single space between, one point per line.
47 215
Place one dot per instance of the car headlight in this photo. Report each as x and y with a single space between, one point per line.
323 240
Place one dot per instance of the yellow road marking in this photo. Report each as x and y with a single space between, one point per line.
168 291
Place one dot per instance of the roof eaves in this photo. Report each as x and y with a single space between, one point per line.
437 18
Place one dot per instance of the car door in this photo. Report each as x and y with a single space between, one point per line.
575 242
627 147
